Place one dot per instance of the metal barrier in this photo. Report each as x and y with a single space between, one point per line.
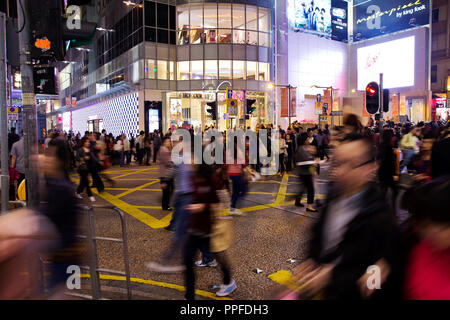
92 239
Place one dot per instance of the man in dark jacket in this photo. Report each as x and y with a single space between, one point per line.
440 156
156 144
355 247
13 137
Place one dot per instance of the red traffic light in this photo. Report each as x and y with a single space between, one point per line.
371 91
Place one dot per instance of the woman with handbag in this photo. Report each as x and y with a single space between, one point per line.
200 221
84 160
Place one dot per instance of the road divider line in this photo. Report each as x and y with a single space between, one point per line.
177 287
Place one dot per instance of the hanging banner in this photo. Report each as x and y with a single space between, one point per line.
293 102
284 102
327 100
395 106
402 105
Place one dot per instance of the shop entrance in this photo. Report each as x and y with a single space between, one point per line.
95 125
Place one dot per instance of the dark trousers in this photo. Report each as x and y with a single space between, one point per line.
193 243
308 184
140 155
155 153
148 152
282 163
224 263
84 183
239 189
96 180
166 192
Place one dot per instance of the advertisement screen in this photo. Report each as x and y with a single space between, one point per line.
395 59
67 121
375 18
322 17
311 15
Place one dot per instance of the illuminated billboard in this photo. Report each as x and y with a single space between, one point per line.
394 59
322 17
375 18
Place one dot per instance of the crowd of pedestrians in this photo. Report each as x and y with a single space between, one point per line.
375 171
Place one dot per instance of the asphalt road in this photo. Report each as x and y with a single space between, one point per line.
271 232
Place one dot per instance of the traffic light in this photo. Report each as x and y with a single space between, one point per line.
385 100
249 108
212 109
372 98
50 29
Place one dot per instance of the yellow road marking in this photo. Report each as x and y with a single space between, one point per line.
282 191
202 293
130 173
135 189
284 278
152 222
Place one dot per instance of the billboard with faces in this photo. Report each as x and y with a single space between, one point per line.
322 17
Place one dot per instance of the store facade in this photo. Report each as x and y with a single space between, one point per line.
178 65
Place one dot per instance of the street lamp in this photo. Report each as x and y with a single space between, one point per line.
331 91
270 86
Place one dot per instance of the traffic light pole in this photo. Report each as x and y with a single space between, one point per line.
28 109
380 97
3 117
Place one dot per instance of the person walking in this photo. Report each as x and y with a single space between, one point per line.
140 147
356 231
84 159
409 146
17 165
305 169
235 167
126 149
148 142
156 144
200 221
166 173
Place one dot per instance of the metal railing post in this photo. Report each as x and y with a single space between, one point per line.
93 259
125 252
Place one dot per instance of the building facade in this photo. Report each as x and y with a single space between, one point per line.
440 59
165 60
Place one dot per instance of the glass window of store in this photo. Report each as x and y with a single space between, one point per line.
211 69
263 71
183 70
210 22
252 70
171 70
239 70
162 70
183 24
197 70
196 23
225 69
150 67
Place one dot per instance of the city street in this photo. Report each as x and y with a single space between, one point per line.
271 232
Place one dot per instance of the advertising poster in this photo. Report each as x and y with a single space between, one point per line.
402 105
284 102
339 20
322 17
293 102
394 59
395 106
375 18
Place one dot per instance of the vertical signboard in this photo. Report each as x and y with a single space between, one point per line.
293 102
284 102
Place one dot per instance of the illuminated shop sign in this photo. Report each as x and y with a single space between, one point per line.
374 18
